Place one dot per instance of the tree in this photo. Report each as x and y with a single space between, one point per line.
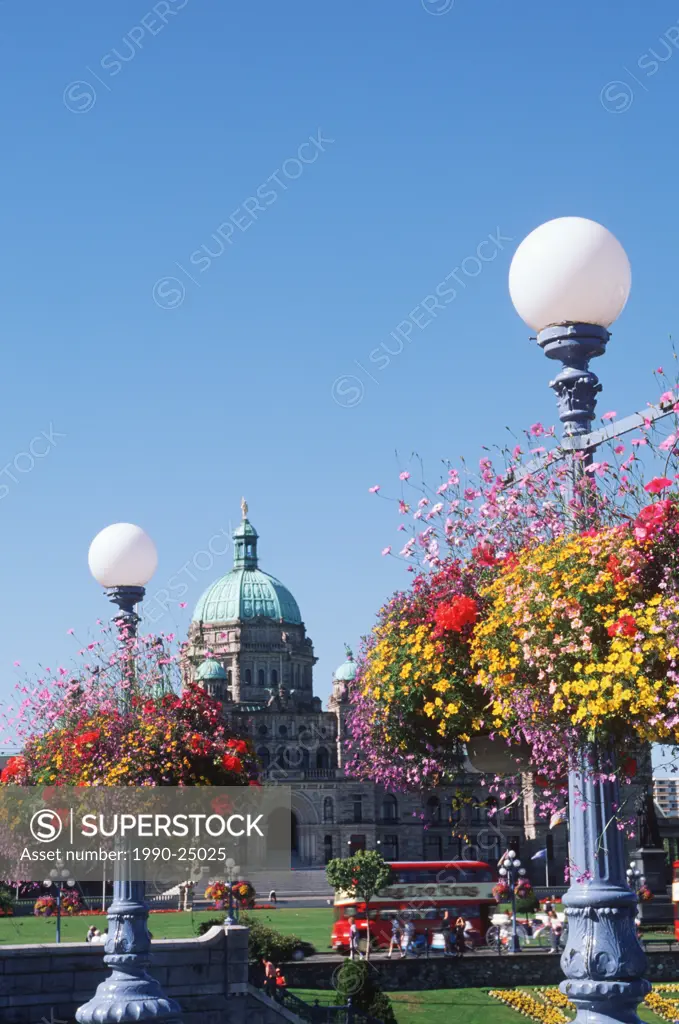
360 877
358 982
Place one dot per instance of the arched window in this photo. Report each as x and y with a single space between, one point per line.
228 677
260 677
389 808
322 758
262 730
264 756
283 730
433 811
282 760
248 676
479 813
274 677
328 811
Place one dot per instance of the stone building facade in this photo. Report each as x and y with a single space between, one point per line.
247 645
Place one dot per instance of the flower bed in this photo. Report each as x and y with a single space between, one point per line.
528 1006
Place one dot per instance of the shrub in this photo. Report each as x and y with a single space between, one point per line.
264 941
358 981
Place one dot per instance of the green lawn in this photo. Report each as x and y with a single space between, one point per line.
313 924
440 1006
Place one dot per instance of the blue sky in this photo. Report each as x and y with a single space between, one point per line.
134 133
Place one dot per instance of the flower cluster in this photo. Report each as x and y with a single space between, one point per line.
667 1009
545 611
556 997
501 892
218 892
644 894
46 906
528 1006
95 727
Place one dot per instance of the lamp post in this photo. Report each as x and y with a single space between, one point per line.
232 873
569 280
59 878
122 558
512 870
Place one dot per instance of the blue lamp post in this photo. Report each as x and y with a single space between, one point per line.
569 280
59 877
123 559
512 870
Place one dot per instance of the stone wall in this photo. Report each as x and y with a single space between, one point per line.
475 971
208 976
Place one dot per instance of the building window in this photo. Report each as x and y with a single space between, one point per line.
274 677
262 730
327 849
248 676
358 810
283 730
433 811
328 811
356 843
264 756
389 808
432 847
322 758
389 847
260 677
479 813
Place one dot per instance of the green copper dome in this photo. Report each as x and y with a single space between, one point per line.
346 673
211 669
246 592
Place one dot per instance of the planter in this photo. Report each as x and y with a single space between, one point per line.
496 756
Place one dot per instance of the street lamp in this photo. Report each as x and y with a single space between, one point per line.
512 870
123 558
232 874
58 879
569 280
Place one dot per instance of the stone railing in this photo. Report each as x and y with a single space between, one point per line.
208 976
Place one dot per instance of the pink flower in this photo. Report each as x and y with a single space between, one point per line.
405 475
516 451
639 440
666 397
387 550
374 490
658 484
619 449
668 443
537 430
182 604
17 663
609 416
70 632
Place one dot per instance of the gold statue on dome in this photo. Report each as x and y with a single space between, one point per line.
244 507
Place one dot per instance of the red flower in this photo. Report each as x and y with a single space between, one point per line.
16 766
231 763
629 767
613 566
461 612
240 746
625 626
85 742
510 561
484 554
651 519
658 484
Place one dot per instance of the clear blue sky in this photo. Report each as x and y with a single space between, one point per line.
118 166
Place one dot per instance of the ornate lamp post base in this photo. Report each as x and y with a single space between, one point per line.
603 960
130 993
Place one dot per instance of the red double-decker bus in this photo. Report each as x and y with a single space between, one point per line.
420 891
675 896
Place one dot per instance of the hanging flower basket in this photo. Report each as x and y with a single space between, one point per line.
494 755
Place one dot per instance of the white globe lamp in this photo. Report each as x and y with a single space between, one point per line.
122 555
569 270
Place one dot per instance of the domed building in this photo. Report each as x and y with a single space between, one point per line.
247 646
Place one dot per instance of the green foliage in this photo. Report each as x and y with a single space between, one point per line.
358 981
264 942
6 900
528 904
360 876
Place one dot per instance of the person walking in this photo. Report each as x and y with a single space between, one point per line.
555 931
353 941
408 937
281 983
446 931
273 898
459 937
395 940
269 978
